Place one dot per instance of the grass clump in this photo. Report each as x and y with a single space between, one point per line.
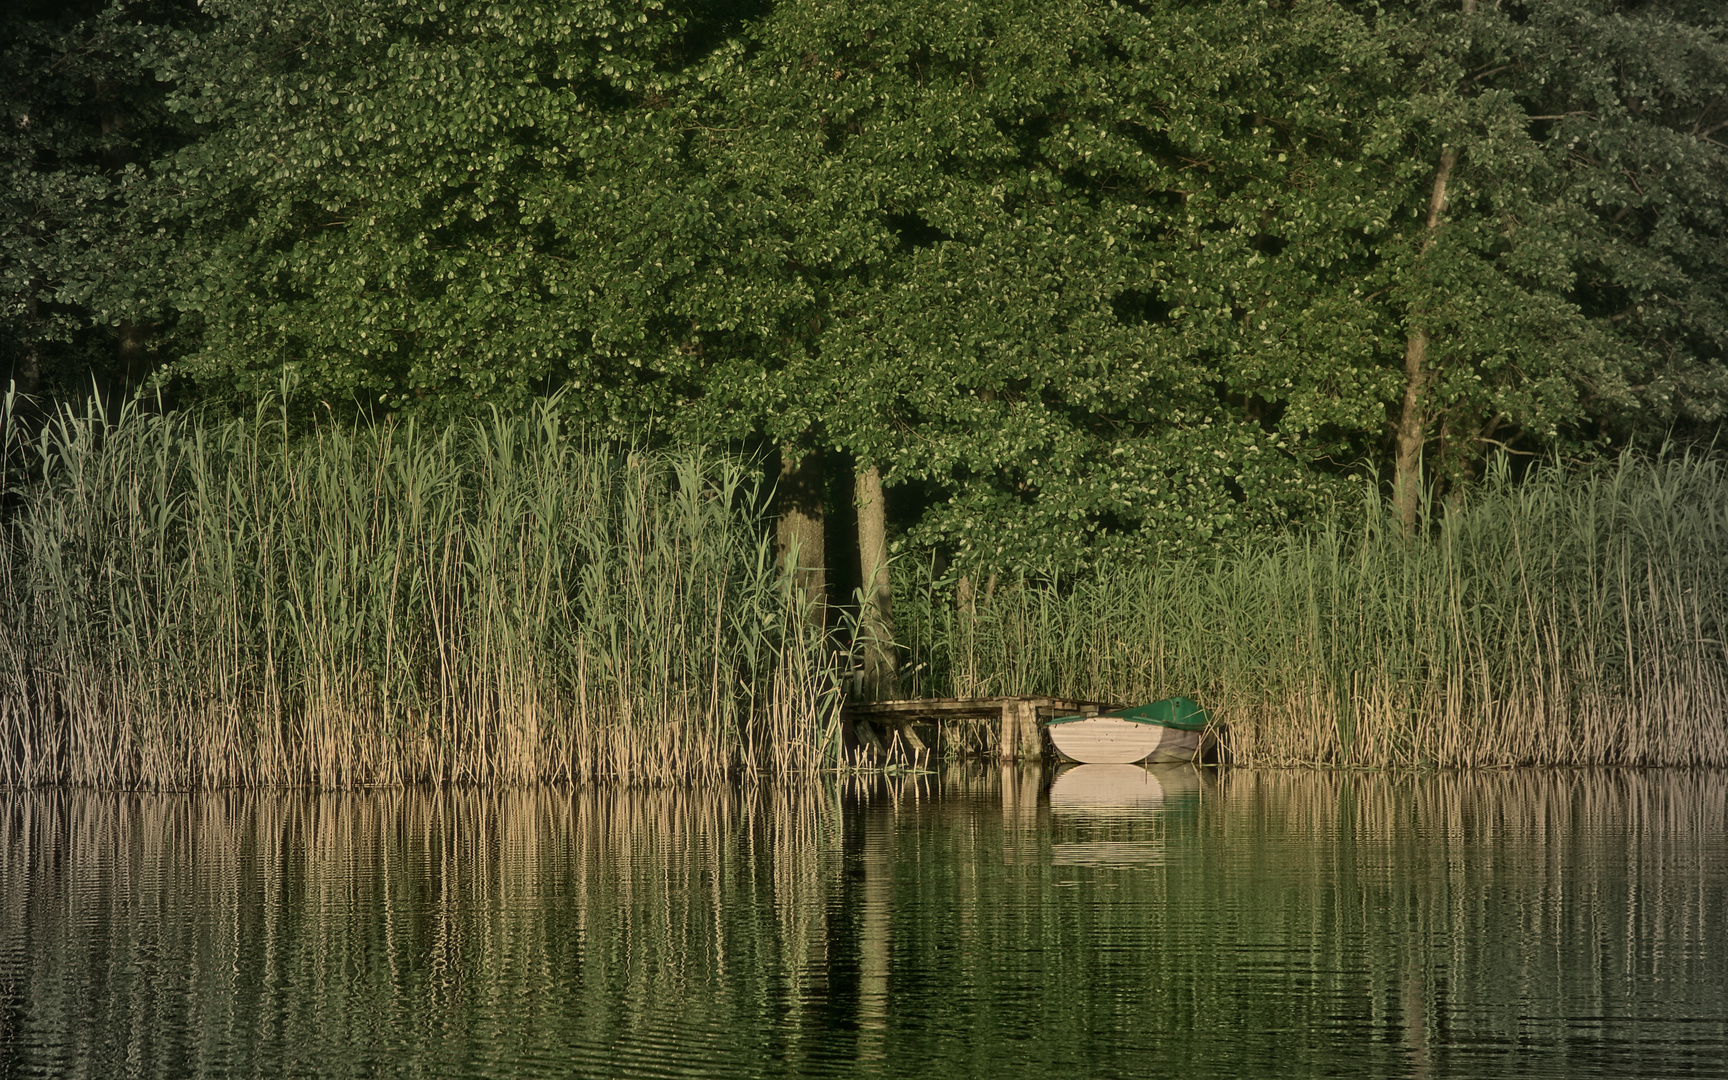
1565 619
189 603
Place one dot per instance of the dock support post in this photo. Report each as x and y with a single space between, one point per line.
1031 749
1019 734
865 732
909 736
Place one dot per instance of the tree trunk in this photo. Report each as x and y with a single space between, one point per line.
130 357
876 619
1413 420
799 531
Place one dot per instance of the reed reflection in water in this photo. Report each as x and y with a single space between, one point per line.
982 922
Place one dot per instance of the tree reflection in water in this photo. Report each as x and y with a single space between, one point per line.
982 922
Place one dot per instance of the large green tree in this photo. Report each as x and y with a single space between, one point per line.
1107 279
1072 280
1561 278
1014 227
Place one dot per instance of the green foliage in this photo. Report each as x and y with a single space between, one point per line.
1011 222
1575 291
1090 281
1640 97
80 241
1109 281
403 204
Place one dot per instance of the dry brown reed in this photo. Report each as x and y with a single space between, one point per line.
207 604
1569 619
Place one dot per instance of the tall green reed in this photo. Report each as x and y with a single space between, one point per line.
199 603
1562 619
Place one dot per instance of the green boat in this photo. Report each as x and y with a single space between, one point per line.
1173 729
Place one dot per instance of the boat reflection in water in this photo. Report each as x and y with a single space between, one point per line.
1095 798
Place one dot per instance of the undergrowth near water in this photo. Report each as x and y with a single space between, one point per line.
200 603
1567 618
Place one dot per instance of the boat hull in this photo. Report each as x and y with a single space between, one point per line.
1110 740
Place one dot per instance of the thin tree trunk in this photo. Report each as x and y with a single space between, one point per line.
800 528
876 619
1413 420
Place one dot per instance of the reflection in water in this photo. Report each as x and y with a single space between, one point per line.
1415 1020
1101 795
1101 790
873 931
975 924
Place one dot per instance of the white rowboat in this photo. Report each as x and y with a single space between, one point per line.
1170 730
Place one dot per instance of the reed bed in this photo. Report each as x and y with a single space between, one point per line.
1565 619
194 603
197 603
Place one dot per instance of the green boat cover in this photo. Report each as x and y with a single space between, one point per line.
1174 712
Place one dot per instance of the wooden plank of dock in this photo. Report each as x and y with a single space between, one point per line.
1017 733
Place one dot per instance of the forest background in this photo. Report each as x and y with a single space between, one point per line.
1023 291
1080 280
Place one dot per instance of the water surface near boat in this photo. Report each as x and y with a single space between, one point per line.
981 922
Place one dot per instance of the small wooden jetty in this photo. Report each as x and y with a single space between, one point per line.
1018 728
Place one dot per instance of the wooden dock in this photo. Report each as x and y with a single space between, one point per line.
1018 729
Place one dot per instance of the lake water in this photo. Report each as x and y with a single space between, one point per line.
979 922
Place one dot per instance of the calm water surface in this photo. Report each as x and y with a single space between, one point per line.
975 923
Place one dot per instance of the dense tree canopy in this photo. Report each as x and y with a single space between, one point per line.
82 242
1081 279
1567 285
406 205
1014 227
